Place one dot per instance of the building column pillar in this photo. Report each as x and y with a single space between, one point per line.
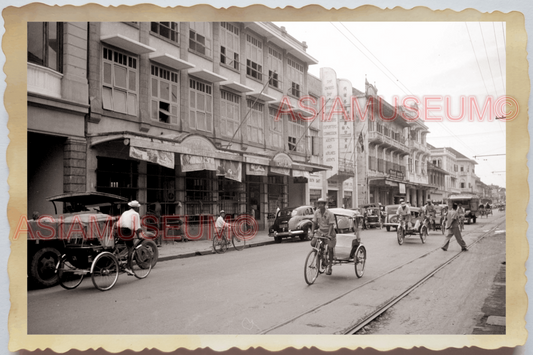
74 165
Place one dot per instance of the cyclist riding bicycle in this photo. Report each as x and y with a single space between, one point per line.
404 213
324 220
221 224
429 212
129 225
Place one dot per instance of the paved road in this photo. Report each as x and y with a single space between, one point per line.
245 292
466 297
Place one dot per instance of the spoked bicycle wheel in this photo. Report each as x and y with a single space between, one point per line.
69 275
104 271
360 261
220 244
323 260
238 242
400 234
311 267
141 263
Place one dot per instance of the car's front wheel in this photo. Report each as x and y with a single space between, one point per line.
305 235
277 239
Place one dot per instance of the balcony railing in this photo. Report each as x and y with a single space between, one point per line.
381 138
394 170
419 146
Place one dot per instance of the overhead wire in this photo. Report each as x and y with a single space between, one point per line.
488 60
398 81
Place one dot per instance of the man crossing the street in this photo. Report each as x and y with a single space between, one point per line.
452 229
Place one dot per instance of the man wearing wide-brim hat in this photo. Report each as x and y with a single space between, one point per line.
129 225
404 212
324 220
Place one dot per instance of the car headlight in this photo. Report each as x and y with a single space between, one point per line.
394 219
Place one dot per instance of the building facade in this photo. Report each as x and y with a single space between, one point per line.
437 181
397 153
187 118
58 102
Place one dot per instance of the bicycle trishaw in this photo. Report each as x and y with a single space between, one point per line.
95 249
404 229
486 204
348 225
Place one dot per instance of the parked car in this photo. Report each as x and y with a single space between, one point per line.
292 222
392 220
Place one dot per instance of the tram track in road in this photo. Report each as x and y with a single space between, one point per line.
382 307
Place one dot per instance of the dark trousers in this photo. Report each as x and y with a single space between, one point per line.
127 236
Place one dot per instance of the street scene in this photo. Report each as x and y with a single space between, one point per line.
241 178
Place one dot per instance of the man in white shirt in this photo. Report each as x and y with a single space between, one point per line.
220 223
404 213
129 225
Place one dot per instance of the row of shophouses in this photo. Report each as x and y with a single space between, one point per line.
193 117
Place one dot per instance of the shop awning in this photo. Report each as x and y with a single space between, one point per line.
181 144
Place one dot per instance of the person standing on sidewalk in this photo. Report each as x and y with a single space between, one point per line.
452 229
324 220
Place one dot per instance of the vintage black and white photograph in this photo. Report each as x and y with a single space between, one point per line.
267 178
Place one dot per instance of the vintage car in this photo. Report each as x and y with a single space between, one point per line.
292 222
371 214
391 218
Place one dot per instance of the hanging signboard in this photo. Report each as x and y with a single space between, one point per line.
160 157
330 125
195 163
229 169
256 169
402 188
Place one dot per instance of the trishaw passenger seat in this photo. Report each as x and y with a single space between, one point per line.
344 225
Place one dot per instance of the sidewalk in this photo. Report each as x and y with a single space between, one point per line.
177 249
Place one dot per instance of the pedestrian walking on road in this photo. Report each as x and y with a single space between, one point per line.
452 229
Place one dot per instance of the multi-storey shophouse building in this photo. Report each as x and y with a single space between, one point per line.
445 158
466 177
437 181
58 103
185 117
397 153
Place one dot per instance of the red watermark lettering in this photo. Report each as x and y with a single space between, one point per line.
301 104
245 227
504 102
152 231
448 109
394 107
474 107
428 108
23 222
46 226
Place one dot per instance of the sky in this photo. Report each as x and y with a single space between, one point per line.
444 60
